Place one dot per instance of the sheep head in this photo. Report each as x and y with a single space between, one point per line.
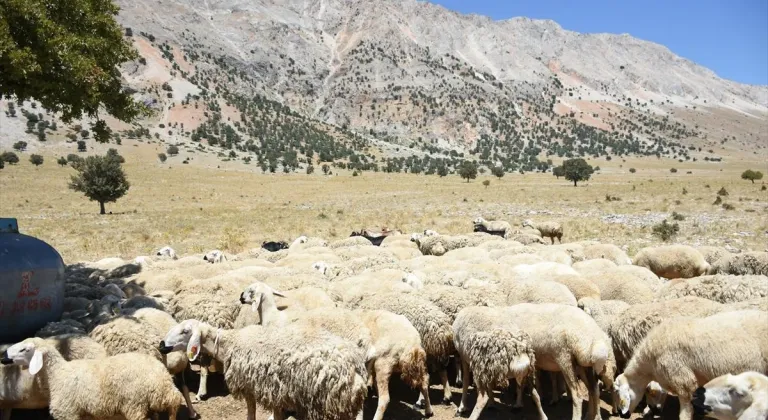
28 353
478 221
430 232
185 335
629 393
167 252
256 293
416 237
528 223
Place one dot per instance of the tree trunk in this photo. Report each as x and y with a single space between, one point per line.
574 183
753 181
101 205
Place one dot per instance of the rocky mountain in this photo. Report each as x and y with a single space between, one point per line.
392 80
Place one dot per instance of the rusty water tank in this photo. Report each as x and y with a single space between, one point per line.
31 283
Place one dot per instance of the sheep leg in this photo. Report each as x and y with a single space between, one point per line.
277 414
536 402
459 376
6 414
483 395
555 389
446 387
383 369
572 383
250 403
686 409
202 389
187 400
464 388
425 396
590 379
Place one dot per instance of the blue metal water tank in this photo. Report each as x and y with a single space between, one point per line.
31 283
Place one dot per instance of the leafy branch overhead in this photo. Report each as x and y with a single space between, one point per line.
65 54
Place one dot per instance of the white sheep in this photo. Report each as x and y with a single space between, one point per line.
607 251
130 385
493 227
167 252
413 281
430 232
531 291
493 349
308 371
615 285
567 340
214 257
549 229
686 353
744 263
672 261
719 288
734 397
580 286
593 266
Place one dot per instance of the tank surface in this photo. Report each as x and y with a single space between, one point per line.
31 283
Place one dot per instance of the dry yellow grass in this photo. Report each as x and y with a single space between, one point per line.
199 207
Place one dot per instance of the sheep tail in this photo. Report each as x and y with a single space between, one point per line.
599 355
413 367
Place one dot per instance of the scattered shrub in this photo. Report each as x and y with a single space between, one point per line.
36 160
673 170
666 231
722 192
718 201
486 183
728 206
632 170
677 216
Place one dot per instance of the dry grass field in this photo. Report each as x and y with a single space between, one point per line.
199 207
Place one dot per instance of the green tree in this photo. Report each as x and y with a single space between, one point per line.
36 160
162 157
10 157
468 170
632 170
558 172
751 175
62 161
326 168
487 182
112 153
442 171
497 171
172 150
66 54
310 170
577 170
100 178
81 147
20 146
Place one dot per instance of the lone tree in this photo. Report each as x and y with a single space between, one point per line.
100 178
326 168
577 170
162 157
752 175
66 55
468 170
36 160
558 172
10 158
62 161
497 171
487 182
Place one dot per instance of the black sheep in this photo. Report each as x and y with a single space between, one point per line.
273 246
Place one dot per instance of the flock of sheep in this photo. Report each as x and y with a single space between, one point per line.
314 328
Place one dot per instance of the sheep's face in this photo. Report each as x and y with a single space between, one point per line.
185 335
26 354
478 221
655 396
628 395
166 252
430 232
727 396
416 237
527 223
256 293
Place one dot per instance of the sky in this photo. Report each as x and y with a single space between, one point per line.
729 37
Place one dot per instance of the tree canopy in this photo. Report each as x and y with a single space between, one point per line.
558 172
36 160
468 170
100 178
577 170
65 54
751 175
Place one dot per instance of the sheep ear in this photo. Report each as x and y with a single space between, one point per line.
193 348
37 362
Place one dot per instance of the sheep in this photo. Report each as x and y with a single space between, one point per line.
306 370
719 288
526 239
744 263
494 349
686 353
630 327
520 259
498 227
672 261
528 291
541 271
760 304
549 230
603 311
131 385
167 252
615 285
438 245
580 286
139 331
433 326
733 397
593 266
607 251
298 242
214 257
413 281
22 390
712 253
567 340
451 300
